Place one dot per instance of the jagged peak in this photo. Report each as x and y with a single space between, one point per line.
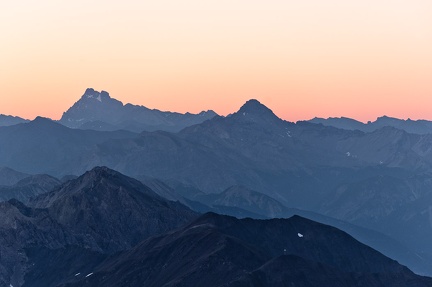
208 112
383 118
90 93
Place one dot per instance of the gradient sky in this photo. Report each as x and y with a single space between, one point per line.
360 59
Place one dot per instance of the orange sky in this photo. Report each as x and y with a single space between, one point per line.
360 59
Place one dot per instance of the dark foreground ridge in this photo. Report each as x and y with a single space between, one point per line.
217 250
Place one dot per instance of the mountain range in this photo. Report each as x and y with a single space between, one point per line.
78 223
410 126
302 165
372 181
6 120
107 229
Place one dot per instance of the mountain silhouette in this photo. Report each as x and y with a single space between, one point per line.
98 111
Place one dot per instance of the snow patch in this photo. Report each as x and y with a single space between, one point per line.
348 153
93 97
90 274
244 114
289 134
300 235
77 274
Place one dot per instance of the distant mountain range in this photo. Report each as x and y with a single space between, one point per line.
98 111
28 187
9 176
11 120
410 126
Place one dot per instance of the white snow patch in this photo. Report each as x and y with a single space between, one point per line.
348 153
300 235
381 162
289 134
77 274
10 285
244 114
90 274
93 97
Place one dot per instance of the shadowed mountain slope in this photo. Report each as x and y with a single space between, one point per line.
29 187
44 146
217 250
99 213
9 176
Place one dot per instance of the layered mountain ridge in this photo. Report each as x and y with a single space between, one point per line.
248 164
82 224
408 125
6 120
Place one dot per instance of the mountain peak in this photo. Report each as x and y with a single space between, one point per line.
255 110
96 183
97 110
90 93
43 122
253 105
101 172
